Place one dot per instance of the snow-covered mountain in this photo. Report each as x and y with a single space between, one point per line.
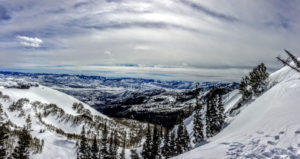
57 119
131 98
266 127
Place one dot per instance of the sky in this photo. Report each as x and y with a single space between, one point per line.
194 40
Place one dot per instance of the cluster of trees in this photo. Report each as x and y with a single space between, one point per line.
254 83
214 117
24 145
101 149
172 145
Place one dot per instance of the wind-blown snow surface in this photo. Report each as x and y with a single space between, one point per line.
269 127
55 146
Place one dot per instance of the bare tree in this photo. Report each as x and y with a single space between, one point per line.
287 61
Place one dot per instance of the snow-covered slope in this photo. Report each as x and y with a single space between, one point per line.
54 119
268 127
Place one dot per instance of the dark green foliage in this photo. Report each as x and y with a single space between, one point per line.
221 115
213 123
166 149
134 154
155 143
83 151
21 151
198 125
95 149
254 83
122 155
147 147
172 145
182 140
103 150
3 138
113 145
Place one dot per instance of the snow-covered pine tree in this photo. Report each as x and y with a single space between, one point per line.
147 152
198 125
134 154
21 151
122 155
28 123
83 150
110 147
115 144
186 137
221 110
166 145
155 143
182 140
172 145
95 149
212 122
103 146
3 138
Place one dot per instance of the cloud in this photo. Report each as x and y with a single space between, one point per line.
29 41
207 11
215 35
4 15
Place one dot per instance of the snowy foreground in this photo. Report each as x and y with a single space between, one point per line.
268 127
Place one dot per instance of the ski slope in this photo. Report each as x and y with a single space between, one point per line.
268 127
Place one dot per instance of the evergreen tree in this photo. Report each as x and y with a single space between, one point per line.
83 151
134 154
103 150
186 140
180 139
198 125
155 143
3 138
147 147
172 145
115 144
28 123
95 149
21 151
166 146
122 155
212 123
221 111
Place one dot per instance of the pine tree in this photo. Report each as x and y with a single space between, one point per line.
122 155
198 125
83 151
221 112
3 138
155 143
134 154
103 150
172 145
21 151
180 139
95 149
147 147
28 123
166 146
211 118
115 144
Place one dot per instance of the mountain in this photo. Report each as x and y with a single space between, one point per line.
140 99
266 127
56 119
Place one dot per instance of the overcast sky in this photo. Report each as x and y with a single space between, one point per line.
210 40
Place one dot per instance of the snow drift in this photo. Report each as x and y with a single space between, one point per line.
268 127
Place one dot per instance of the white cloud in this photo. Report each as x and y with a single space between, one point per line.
141 47
29 41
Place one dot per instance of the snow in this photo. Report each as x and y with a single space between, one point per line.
269 127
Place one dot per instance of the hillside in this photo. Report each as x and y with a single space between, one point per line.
267 127
56 119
